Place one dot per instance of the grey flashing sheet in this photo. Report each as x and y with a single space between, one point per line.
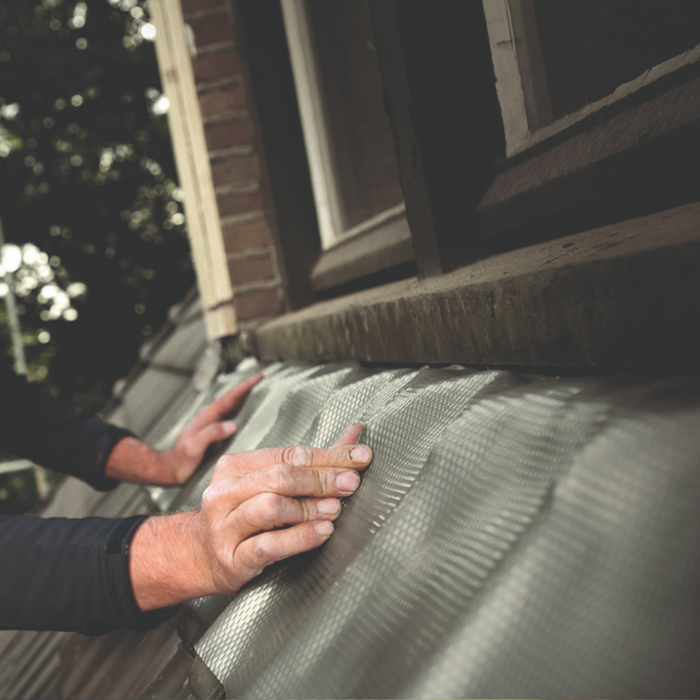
515 536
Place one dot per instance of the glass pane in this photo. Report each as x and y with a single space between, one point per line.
589 47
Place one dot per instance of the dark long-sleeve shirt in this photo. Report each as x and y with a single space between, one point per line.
52 433
61 573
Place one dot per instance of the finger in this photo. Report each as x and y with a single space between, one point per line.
350 436
292 482
226 493
268 511
255 553
233 399
224 406
196 445
356 457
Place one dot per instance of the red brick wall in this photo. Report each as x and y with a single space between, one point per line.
235 162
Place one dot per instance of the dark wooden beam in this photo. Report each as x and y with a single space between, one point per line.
441 99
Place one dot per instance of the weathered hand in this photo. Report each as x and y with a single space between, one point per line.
260 507
252 494
132 460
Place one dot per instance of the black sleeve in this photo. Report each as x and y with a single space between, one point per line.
70 575
52 433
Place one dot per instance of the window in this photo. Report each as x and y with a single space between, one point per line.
347 133
556 59
599 105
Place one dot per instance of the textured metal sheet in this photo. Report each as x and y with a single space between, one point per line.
514 536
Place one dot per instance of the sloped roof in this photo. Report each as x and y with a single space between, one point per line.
514 536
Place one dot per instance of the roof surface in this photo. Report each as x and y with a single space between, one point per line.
514 536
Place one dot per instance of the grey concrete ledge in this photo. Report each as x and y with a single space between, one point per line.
624 295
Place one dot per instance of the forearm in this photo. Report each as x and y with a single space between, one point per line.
166 563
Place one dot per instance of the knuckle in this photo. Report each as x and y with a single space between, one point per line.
281 478
211 496
204 413
229 466
297 456
308 509
270 505
325 481
190 449
213 433
225 463
260 554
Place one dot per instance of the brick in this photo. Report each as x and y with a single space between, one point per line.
228 134
216 64
252 235
235 170
225 100
189 6
214 28
258 269
258 304
240 203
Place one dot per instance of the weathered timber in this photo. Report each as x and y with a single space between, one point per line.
624 295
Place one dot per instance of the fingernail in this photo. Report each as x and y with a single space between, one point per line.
229 426
323 528
328 506
348 481
361 455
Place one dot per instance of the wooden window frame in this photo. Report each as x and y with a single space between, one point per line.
313 119
379 243
315 124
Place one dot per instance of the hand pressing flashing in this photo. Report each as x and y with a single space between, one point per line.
134 461
235 534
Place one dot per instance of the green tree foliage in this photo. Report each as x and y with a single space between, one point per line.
87 176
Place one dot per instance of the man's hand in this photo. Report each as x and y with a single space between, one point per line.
132 460
260 507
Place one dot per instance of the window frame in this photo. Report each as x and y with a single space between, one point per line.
521 81
316 128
